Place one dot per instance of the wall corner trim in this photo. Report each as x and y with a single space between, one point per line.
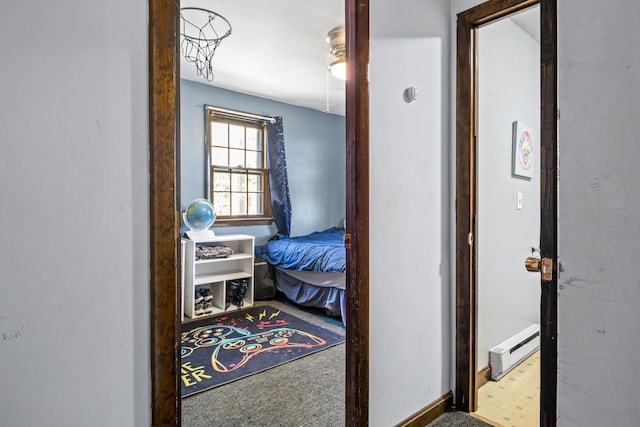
430 412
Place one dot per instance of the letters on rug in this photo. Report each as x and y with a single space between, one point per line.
227 347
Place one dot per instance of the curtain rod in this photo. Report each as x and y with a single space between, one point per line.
240 114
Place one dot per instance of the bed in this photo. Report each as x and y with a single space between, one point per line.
310 270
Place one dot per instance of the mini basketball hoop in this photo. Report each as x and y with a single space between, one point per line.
202 32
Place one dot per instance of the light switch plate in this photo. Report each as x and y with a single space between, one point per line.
519 200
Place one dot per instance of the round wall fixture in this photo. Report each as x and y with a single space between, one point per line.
411 94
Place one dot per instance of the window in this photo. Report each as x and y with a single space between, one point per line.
237 172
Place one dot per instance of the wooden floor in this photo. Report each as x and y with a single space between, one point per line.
514 401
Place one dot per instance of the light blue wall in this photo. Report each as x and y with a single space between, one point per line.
598 210
74 321
315 150
409 216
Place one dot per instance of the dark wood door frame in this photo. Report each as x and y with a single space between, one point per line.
357 130
164 203
466 369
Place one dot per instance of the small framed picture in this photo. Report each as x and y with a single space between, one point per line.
524 150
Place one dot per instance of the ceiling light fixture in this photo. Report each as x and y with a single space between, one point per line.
336 40
202 31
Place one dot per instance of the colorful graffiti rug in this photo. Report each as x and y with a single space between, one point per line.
227 347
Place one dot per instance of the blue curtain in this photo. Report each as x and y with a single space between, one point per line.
279 183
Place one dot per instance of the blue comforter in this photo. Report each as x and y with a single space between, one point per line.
319 251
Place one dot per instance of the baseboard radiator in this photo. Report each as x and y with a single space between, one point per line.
511 352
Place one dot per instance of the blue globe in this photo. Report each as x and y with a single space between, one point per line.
199 215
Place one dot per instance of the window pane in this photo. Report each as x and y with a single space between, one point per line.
219 134
254 183
254 204
252 139
221 181
239 182
254 159
236 158
219 156
222 203
236 136
239 201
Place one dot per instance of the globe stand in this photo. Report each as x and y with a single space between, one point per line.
199 236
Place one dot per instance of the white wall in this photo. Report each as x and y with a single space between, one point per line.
599 207
508 90
410 307
73 181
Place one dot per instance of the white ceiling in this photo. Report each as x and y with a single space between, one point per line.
529 21
276 50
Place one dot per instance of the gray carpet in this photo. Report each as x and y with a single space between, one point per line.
305 392
457 419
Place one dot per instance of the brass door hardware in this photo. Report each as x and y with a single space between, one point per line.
544 266
347 241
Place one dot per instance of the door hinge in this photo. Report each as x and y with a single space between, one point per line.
470 239
347 241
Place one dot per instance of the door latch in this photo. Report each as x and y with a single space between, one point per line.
544 266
